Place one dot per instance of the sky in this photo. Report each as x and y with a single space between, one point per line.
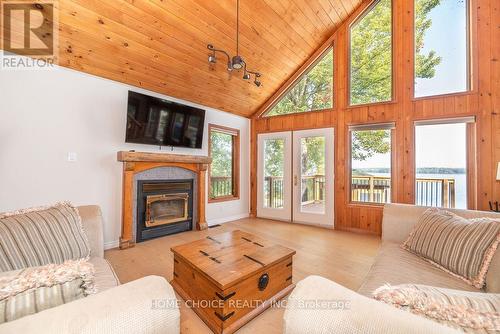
446 36
442 145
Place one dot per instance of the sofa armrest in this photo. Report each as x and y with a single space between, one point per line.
318 305
93 226
147 305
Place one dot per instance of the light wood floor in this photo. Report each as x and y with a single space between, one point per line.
340 256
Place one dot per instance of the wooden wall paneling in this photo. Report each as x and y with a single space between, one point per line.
483 102
495 84
484 58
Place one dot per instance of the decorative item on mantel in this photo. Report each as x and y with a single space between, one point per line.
137 162
236 62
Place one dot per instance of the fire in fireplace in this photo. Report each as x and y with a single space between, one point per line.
163 207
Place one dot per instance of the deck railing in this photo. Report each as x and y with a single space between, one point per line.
273 191
436 192
313 189
429 191
376 189
221 186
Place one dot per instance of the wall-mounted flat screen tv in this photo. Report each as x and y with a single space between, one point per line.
155 121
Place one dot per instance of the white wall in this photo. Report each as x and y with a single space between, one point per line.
44 115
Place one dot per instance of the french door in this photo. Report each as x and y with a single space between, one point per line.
295 176
274 163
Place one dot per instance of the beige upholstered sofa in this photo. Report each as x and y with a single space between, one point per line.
127 308
351 312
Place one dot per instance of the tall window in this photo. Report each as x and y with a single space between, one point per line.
314 91
441 164
441 47
371 55
224 169
371 163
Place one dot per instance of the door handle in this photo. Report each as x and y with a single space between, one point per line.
295 180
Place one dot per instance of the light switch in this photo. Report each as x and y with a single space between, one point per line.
72 156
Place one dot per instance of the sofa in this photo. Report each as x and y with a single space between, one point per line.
127 308
356 312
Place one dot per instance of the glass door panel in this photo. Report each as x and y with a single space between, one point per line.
274 159
313 176
274 175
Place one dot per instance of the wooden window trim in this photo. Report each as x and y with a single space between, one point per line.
361 15
235 163
350 202
471 64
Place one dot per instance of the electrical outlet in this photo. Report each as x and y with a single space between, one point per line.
72 156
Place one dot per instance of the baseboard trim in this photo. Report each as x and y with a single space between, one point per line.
227 219
111 244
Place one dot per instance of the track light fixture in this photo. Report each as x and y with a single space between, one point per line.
236 62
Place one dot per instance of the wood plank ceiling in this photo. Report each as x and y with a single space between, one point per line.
160 45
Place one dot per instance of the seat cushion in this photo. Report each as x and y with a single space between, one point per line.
105 277
394 265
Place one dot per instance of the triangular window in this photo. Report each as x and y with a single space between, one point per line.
313 91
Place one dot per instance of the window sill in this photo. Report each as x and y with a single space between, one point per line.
223 199
366 205
441 96
373 104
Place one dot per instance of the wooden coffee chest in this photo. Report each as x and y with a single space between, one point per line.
230 278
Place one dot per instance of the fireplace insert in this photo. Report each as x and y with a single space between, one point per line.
163 207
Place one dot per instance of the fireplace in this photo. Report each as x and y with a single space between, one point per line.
163 207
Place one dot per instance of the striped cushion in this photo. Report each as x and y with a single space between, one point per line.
40 236
471 312
28 291
457 245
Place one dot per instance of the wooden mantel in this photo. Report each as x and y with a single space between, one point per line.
132 156
136 162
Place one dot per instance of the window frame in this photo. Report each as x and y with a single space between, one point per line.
390 125
470 63
235 133
303 72
363 13
471 154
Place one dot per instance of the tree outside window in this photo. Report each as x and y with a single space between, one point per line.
224 151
